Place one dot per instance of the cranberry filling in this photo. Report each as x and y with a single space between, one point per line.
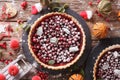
108 66
56 40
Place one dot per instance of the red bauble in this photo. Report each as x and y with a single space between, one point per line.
14 44
13 70
36 78
2 77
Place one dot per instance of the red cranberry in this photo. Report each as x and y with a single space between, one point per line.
39 54
39 57
64 43
99 15
34 40
61 38
7 62
56 48
34 50
52 34
96 11
90 3
38 46
10 53
51 45
35 35
32 47
67 45
59 43
47 40
44 76
45 33
75 39
43 60
57 28
70 42
35 46
53 49
42 48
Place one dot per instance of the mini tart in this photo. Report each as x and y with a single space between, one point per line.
108 59
64 45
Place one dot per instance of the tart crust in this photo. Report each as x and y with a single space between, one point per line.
99 57
71 62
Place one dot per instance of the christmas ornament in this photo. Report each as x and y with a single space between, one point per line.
8 11
36 78
13 70
36 8
86 14
99 30
105 7
2 77
76 77
24 5
14 44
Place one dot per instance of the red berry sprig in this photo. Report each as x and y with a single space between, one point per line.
6 61
43 75
24 5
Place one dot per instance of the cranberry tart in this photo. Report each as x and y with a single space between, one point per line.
107 66
56 40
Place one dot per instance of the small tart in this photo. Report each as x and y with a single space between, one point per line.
107 66
56 40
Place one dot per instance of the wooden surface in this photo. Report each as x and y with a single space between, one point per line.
76 5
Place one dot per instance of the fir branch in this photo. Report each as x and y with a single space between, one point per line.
82 72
